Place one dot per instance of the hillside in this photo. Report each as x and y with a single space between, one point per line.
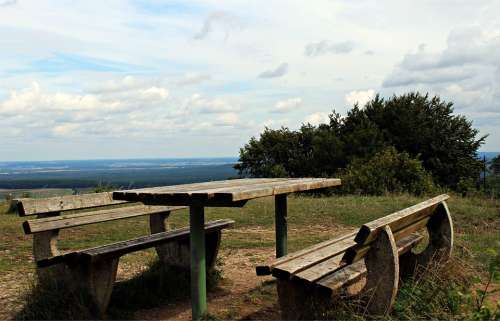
241 294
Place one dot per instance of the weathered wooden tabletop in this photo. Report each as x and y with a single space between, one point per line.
223 193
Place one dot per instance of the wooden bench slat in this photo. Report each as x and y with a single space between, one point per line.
356 253
305 261
91 217
353 272
368 232
33 206
267 269
124 247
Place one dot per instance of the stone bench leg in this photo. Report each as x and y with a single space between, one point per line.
439 249
382 274
177 253
301 302
95 280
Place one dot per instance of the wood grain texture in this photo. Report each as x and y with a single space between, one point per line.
397 220
354 271
304 262
267 269
33 206
121 248
91 217
223 192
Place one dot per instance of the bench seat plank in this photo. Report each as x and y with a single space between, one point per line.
96 216
357 270
267 269
124 247
305 261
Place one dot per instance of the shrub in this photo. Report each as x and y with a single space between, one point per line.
387 171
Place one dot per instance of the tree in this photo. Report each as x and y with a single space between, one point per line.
495 165
425 128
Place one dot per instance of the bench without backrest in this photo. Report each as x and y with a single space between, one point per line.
378 251
94 269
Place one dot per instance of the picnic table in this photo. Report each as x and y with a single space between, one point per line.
227 193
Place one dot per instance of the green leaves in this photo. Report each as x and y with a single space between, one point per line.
415 125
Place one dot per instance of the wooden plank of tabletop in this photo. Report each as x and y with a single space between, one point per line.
175 189
262 190
248 191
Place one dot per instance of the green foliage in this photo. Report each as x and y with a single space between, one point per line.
423 127
103 187
387 171
495 165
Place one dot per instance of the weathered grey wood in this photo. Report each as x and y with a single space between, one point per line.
382 278
267 269
223 193
303 262
356 270
121 248
356 253
300 301
440 246
32 206
91 217
395 221
96 279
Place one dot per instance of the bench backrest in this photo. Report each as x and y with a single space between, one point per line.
401 223
36 206
51 212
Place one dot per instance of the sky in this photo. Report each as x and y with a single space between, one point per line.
151 78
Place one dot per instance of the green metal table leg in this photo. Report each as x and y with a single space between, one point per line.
198 273
280 210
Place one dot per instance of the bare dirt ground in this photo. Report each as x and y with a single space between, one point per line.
234 298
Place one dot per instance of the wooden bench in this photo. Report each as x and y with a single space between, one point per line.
377 255
94 270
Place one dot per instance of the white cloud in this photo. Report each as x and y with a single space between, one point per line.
224 20
209 105
155 93
279 71
227 119
6 3
465 72
327 47
192 79
287 105
318 118
360 97
66 129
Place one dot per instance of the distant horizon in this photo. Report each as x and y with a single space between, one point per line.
151 158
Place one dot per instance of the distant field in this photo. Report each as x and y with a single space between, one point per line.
116 173
311 220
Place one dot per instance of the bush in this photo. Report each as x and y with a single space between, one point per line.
387 171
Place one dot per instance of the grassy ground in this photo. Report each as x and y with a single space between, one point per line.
311 219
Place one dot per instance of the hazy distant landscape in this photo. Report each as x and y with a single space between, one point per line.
117 173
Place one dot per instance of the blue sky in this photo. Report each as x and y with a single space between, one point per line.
151 78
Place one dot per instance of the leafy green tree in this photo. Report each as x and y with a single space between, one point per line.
425 128
495 165
387 171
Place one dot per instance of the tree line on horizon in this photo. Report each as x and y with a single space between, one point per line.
406 143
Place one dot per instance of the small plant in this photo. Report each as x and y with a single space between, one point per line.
103 187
